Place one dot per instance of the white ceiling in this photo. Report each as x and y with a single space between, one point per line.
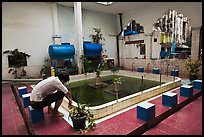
115 8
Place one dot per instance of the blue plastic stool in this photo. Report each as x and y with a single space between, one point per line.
140 69
169 99
174 72
35 115
22 90
145 111
155 70
26 98
197 84
186 91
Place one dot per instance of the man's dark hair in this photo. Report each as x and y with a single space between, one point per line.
63 75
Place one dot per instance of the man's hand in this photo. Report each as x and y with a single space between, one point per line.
70 106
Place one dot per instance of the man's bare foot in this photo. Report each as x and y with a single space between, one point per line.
57 114
50 109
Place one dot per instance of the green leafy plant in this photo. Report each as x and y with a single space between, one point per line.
97 37
82 110
192 68
99 69
18 61
118 80
46 69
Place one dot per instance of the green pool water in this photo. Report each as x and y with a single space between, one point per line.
83 92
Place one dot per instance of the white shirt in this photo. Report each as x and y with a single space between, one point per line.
46 87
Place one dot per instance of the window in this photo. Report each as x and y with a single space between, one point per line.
14 62
142 49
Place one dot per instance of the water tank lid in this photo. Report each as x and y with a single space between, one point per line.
87 41
65 43
55 36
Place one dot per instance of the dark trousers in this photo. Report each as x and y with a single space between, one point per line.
48 100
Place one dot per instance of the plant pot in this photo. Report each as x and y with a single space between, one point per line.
79 122
193 77
117 87
98 81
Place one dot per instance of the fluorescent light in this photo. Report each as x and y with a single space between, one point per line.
105 3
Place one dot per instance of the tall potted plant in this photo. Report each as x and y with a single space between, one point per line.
117 83
18 60
97 37
98 73
192 68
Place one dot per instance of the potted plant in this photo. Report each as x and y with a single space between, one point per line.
117 81
45 70
98 73
17 60
79 115
97 37
192 68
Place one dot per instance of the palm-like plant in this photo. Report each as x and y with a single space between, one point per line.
96 38
99 69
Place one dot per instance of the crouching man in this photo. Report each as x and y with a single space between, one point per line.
51 90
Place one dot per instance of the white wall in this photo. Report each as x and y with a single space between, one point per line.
66 24
90 19
27 26
148 16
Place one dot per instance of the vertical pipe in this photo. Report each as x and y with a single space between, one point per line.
142 83
117 39
121 23
55 19
160 78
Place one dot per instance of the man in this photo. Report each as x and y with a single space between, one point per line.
43 94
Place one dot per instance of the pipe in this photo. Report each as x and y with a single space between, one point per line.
132 65
117 38
160 78
121 23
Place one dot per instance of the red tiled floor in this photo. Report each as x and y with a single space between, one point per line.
12 121
121 124
187 121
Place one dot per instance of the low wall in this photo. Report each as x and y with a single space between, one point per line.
133 64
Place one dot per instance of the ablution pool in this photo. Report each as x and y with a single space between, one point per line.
104 100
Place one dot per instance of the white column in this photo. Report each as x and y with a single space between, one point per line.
195 45
55 19
79 35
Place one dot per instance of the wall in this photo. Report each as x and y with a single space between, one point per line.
127 64
27 26
90 19
148 16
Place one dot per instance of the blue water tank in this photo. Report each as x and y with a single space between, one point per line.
64 51
92 49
